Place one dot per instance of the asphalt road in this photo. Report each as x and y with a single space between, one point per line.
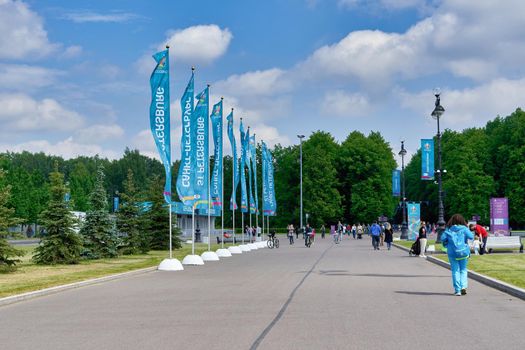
344 296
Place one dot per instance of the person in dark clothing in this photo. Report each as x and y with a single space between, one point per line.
389 235
323 231
422 240
307 234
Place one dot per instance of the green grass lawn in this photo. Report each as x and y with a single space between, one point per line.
509 268
408 244
30 277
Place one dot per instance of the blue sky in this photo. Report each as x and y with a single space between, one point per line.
74 74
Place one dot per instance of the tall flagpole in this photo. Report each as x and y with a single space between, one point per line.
209 175
234 198
249 188
222 180
256 204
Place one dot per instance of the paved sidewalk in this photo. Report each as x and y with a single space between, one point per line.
344 296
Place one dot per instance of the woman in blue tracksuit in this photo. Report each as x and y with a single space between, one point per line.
457 226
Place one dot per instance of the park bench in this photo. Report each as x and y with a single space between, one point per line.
504 242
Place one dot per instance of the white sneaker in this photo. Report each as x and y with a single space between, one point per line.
458 294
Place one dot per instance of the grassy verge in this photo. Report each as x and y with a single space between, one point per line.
509 268
30 277
408 244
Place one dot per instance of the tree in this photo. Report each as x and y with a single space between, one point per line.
129 221
156 219
98 230
61 244
7 219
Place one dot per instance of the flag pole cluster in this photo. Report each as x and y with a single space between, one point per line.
199 191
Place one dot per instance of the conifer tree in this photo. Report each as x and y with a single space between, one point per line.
61 244
100 236
156 219
129 221
7 252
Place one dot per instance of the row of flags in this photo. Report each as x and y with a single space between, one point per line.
195 187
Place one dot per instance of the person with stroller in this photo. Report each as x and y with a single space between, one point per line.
422 240
454 239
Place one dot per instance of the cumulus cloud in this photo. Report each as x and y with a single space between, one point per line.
67 148
23 34
259 83
342 104
23 77
99 132
72 51
471 106
20 112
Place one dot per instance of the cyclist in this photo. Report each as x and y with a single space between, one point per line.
307 235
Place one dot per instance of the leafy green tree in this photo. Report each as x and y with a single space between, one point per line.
129 221
61 244
156 219
7 219
98 230
81 184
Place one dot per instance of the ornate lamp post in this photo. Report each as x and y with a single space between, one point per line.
404 225
301 137
436 114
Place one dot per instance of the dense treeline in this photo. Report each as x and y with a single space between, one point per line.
481 163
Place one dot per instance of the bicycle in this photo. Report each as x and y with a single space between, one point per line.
337 238
309 240
273 242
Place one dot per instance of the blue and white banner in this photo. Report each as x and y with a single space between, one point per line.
201 152
187 145
249 165
413 220
216 175
244 195
235 170
265 192
396 183
159 114
427 159
253 151
271 185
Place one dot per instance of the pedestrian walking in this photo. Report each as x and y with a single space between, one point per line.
354 230
290 233
297 232
382 235
422 239
360 231
454 239
323 231
389 235
375 231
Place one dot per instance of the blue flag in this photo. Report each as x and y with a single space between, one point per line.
413 210
187 145
396 187
271 185
427 159
265 192
216 176
253 151
248 153
200 151
235 170
244 195
159 114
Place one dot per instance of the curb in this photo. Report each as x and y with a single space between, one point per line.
489 281
52 290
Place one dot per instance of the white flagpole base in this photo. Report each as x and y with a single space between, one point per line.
261 244
209 256
245 248
252 246
192 260
235 250
170 265
223 253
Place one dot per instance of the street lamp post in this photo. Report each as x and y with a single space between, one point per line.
301 177
404 225
436 114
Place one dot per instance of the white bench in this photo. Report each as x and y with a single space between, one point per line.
503 242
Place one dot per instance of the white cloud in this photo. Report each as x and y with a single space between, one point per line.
256 83
91 16
72 51
342 104
472 106
387 4
24 77
67 148
23 113
23 34
98 133
187 44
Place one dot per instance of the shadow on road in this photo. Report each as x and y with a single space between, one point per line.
346 273
422 293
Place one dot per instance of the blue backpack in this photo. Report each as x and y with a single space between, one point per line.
456 244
